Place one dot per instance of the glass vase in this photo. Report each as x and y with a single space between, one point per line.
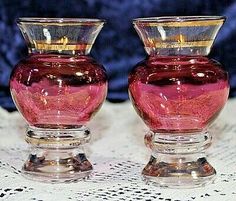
178 92
57 89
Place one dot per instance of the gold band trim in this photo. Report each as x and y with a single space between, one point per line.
55 141
70 47
181 23
180 44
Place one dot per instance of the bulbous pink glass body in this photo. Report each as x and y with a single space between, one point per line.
178 94
58 91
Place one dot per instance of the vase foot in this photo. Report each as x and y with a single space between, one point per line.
57 168
57 155
179 172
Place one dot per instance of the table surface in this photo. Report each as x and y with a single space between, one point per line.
118 154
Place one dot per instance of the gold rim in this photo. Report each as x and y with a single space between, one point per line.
59 21
181 21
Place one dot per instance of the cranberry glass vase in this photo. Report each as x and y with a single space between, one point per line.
57 89
178 92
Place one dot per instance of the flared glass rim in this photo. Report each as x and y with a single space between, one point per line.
59 20
166 19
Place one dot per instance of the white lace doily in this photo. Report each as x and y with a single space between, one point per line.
118 154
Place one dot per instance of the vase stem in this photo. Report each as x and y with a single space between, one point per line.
57 155
178 161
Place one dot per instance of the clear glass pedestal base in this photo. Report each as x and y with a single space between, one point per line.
57 155
178 161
